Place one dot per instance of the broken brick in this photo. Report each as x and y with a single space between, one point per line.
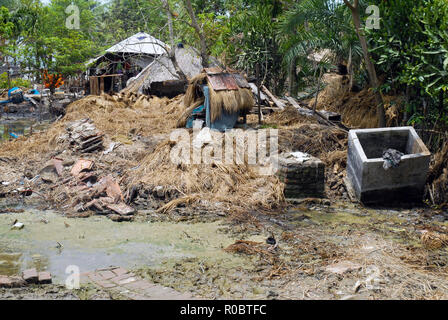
30 275
44 277
119 218
81 165
121 209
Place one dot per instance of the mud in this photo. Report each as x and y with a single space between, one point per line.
189 255
384 243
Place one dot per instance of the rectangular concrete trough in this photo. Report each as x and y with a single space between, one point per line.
373 184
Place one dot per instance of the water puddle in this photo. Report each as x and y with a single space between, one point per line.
10 129
51 242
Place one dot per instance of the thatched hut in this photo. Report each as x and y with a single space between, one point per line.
223 94
160 78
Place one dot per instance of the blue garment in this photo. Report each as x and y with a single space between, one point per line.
196 111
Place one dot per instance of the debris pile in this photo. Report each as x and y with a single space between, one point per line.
357 107
103 196
83 136
147 175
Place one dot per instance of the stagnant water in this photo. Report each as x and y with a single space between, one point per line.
20 127
51 242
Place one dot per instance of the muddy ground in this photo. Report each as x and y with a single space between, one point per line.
186 250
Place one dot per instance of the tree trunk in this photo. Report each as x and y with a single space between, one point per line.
194 23
374 83
172 51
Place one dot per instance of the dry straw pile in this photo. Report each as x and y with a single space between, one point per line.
122 116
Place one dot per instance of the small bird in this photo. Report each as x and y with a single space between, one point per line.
271 240
66 224
59 245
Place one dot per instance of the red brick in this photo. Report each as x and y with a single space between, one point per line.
30 275
106 275
17 281
106 284
95 277
136 296
120 271
5 282
139 285
122 279
11 282
44 277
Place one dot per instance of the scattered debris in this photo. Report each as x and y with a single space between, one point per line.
121 208
343 267
81 165
83 136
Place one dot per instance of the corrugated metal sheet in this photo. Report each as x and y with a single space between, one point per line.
213 70
240 80
226 81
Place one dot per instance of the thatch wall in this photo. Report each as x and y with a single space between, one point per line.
230 101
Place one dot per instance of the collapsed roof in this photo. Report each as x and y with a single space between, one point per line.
162 68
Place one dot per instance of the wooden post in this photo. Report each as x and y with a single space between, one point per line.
7 73
101 85
318 89
258 92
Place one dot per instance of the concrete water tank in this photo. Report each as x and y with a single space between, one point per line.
372 184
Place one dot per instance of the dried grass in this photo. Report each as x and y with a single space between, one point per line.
237 185
288 118
193 93
358 109
116 116
438 177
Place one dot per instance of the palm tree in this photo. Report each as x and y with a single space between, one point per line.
326 24
313 25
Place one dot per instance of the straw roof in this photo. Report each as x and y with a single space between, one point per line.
162 69
188 59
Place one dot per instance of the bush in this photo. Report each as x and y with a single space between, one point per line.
18 82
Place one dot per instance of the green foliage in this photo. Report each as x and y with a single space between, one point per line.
252 39
6 26
17 82
411 49
314 25
42 40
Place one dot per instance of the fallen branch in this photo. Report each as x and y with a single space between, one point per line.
277 102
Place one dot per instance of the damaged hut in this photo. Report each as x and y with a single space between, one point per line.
123 61
217 97
160 77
